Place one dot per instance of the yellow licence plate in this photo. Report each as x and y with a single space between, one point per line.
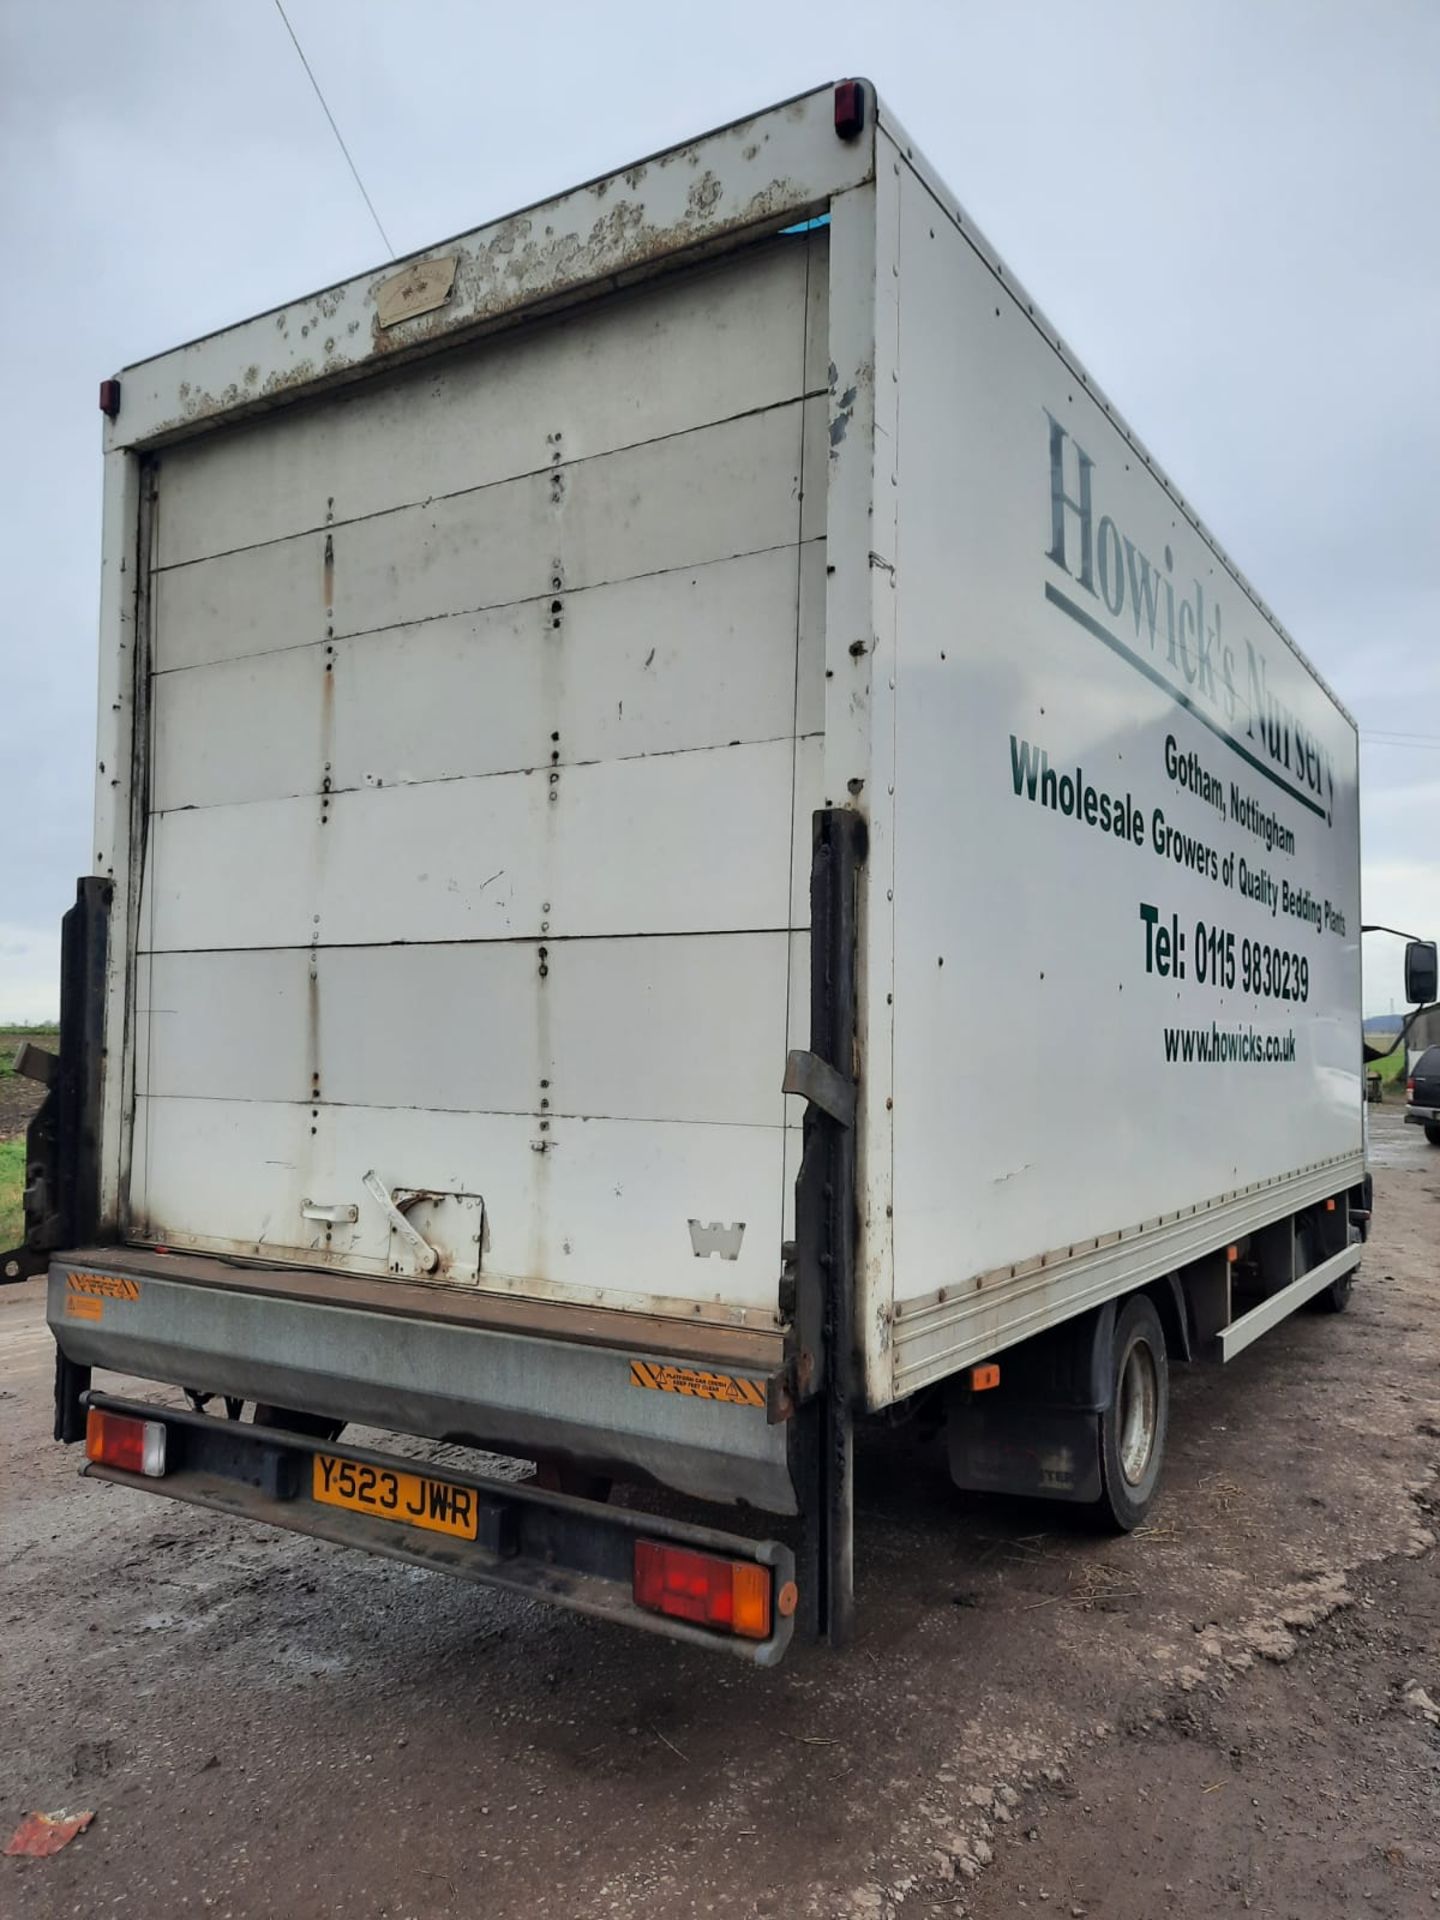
411 1498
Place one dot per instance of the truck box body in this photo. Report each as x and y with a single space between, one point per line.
481 639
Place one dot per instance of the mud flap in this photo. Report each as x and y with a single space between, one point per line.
1045 1453
1038 1433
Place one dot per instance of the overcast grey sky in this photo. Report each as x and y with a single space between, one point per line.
1227 206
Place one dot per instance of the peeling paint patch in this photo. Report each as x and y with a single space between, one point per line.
704 194
747 177
840 424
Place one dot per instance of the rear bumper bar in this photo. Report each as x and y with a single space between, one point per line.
632 1411
573 1553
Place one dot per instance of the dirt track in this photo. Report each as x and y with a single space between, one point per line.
1214 1716
19 1099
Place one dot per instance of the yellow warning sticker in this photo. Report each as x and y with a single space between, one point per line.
103 1286
698 1383
80 1306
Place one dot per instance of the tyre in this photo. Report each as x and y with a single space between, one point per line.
1432 1134
1336 1297
1134 1425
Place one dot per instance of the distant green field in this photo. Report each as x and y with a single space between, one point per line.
1392 1069
12 1184
10 1038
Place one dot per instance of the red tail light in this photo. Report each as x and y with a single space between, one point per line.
118 1440
1409 1089
733 1595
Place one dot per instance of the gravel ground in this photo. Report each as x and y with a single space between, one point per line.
1226 1712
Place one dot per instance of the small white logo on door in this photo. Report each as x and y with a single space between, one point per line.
715 1237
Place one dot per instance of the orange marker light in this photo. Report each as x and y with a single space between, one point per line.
983 1378
750 1600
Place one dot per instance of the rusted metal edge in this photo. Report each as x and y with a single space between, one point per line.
609 1327
705 196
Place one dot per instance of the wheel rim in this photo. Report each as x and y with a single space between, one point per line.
1139 1411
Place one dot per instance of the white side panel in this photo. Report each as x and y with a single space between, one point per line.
275 716
583 524
191 1155
593 522
435 1027
258 600
624 387
605 1204
230 1026
1080 680
201 862
696 657
488 859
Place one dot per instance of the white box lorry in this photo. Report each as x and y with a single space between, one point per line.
692 843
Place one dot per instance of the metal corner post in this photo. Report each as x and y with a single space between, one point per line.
826 1234
84 959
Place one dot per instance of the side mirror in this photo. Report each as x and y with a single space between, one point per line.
1421 982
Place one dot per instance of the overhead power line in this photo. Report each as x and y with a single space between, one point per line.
340 138
1425 741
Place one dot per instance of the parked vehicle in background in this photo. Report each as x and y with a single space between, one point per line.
1422 1095
625 739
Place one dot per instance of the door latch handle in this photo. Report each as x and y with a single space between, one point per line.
426 1258
335 1214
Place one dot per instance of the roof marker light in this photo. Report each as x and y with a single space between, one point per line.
850 109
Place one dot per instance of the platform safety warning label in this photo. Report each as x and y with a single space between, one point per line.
697 1382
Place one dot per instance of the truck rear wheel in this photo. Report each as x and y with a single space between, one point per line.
1133 1426
1336 1297
1432 1134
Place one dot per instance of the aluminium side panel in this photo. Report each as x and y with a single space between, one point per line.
1126 866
